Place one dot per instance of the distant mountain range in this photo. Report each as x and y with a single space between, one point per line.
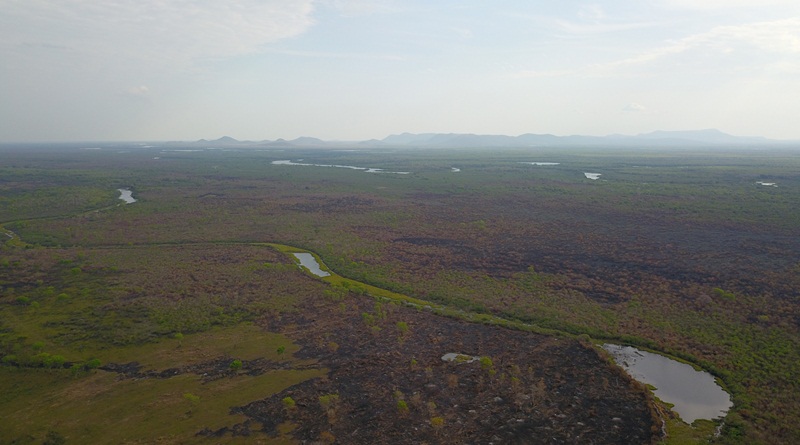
710 137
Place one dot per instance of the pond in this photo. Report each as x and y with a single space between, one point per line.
127 196
694 394
309 262
592 176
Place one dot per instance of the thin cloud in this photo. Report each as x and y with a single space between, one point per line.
592 12
156 31
777 37
634 107
523 74
463 33
138 91
354 8
597 28
707 5
334 55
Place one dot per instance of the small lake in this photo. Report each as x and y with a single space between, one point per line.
127 196
694 394
309 262
592 176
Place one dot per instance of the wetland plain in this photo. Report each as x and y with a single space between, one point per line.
164 311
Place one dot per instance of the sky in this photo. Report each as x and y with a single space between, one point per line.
150 70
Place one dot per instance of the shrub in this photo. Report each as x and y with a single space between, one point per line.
289 403
236 365
328 400
53 361
402 407
402 326
724 294
76 368
193 399
431 407
368 318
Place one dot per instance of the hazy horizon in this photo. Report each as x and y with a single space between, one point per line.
352 70
710 136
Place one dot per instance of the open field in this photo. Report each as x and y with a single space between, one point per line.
681 251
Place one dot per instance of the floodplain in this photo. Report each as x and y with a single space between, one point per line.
182 317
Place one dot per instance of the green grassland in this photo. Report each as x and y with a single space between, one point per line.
67 315
677 250
101 408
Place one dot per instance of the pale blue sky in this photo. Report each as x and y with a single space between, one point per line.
358 69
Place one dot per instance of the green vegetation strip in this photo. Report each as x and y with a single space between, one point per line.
344 284
678 432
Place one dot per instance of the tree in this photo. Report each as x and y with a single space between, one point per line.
236 365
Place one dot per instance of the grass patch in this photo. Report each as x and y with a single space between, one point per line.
680 433
244 342
104 409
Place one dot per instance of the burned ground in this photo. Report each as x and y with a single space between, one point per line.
388 384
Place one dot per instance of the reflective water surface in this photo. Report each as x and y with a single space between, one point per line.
694 393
